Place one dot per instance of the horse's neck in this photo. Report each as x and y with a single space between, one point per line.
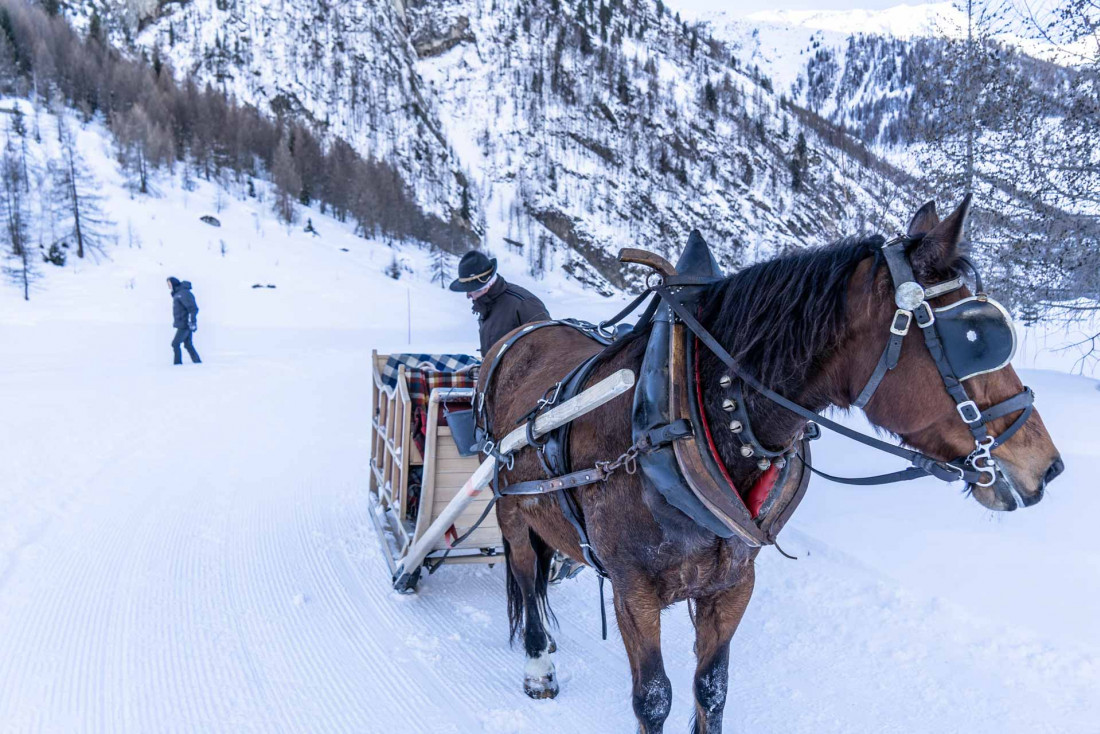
774 427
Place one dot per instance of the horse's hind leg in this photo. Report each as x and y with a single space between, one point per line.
716 619
638 613
527 610
544 555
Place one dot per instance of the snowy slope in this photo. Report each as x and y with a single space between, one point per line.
571 133
187 549
900 21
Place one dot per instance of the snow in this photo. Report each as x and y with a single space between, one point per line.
187 548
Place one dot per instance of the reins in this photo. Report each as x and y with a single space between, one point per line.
913 305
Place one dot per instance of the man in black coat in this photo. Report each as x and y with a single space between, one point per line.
184 318
500 306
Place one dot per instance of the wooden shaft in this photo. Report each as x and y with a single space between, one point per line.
602 392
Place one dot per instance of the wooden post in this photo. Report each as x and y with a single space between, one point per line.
408 569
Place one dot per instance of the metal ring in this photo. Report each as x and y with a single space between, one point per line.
991 470
650 281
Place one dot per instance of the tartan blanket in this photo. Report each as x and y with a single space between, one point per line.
424 373
430 362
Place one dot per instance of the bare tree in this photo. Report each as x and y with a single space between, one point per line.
288 184
13 202
85 222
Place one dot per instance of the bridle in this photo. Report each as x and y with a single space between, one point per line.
912 301
940 328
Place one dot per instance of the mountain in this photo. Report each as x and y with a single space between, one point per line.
561 132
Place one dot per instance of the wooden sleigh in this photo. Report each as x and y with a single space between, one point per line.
410 485
424 501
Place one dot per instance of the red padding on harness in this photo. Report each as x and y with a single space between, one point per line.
764 484
761 490
706 426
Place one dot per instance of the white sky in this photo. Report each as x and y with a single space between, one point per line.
744 7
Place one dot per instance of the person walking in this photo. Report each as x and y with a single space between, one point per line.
500 306
184 318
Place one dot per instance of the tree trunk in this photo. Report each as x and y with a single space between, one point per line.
74 196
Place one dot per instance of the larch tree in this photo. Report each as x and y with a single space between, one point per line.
78 204
16 229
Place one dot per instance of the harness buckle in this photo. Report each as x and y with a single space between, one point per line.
552 399
900 315
969 412
924 309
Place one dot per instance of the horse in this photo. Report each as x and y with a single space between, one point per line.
811 326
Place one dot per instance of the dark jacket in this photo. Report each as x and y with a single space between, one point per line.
184 308
503 308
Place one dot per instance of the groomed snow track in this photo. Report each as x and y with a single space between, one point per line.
204 563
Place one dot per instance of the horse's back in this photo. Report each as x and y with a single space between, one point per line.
530 367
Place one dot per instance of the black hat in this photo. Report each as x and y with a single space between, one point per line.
475 270
174 281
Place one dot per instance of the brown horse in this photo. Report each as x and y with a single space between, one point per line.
811 326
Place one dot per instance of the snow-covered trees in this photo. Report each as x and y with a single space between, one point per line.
160 123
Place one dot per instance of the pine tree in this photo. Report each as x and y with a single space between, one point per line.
799 163
440 272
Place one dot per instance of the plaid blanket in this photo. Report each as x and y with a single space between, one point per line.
431 362
424 373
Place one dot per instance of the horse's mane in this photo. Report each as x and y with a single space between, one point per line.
777 317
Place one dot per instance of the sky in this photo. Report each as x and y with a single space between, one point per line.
744 7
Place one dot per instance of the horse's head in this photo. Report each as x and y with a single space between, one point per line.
912 399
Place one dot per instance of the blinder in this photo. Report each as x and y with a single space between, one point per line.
978 336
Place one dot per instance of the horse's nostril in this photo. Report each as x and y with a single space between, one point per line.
1056 468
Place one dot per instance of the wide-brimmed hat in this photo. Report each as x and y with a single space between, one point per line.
475 270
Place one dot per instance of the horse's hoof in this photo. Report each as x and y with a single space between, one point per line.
553 646
543 687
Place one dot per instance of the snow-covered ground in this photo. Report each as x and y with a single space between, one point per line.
187 548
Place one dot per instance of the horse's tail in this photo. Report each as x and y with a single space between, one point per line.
517 607
544 555
515 596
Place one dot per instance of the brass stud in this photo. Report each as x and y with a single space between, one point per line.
747 451
736 426
780 462
763 465
728 405
725 381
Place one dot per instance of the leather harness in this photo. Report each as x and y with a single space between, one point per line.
673 443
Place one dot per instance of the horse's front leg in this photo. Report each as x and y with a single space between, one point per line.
716 619
638 613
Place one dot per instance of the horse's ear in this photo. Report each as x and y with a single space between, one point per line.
940 246
924 220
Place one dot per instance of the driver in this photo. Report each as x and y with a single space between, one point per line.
500 306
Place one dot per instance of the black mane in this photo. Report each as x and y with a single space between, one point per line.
777 317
